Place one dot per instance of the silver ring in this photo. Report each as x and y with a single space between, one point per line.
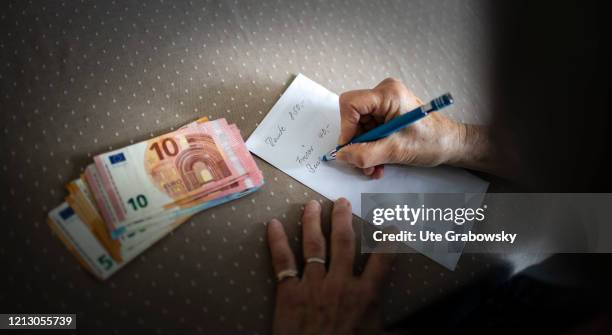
315 260
289 273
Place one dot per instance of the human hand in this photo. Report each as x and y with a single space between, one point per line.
431 141
326 301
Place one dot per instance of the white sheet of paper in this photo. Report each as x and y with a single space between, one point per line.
305 124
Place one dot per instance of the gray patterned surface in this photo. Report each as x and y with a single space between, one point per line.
82 77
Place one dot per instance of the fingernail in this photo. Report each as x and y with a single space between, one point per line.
342 202
274 222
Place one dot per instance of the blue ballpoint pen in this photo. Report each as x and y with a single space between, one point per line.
396 124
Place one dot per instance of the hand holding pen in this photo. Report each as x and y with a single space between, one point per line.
431 141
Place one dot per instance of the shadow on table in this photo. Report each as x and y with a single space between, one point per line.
262 94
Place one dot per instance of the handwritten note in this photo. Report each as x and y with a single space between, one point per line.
305 124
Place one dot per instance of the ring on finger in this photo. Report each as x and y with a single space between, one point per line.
288 273
315 260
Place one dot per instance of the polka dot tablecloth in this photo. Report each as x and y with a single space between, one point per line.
82 77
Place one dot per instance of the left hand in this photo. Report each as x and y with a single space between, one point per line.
326 301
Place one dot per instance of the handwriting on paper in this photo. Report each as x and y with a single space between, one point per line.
296 109
280 130
324 131
273 140
306 158
303 157
304 124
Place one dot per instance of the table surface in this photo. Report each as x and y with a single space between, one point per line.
81 78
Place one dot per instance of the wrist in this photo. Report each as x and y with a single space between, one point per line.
472 148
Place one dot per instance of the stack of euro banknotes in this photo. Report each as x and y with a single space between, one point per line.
130 198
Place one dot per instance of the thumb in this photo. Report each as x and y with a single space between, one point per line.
365 155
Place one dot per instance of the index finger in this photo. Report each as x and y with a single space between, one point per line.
354 105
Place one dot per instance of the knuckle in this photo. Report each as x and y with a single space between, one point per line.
328 301
343 239
391 80
350 115
308 217
291 297
344 97
359 159
349 99
351 297
393 83
313 246
297 300
282 260
395 90
368 171
369 293
331 293
275 239
322 305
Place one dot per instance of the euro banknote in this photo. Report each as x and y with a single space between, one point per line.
163 175
129 198
86 246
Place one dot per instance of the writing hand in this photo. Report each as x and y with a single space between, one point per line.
433 140
326 301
